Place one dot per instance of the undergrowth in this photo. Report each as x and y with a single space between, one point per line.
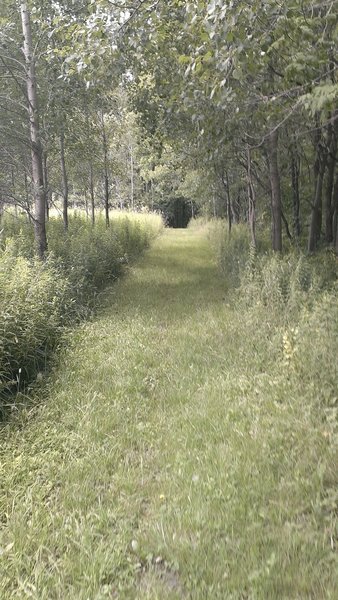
37 300
291 300
294 294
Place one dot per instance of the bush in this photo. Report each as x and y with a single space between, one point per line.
231 250
285 309
234 253
313 360
281 283
37 300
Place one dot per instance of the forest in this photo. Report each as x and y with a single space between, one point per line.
168 299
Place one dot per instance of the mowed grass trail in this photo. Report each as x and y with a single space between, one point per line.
167 457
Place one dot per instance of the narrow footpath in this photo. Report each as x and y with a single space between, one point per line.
140 474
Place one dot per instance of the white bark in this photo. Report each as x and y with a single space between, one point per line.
36 149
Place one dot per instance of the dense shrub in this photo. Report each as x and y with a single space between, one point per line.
285 308
232 251
290 300
38 299
314 350
282 283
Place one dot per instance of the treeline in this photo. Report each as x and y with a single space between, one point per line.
65 140
247 94
228 107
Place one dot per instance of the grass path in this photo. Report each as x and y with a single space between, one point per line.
153 468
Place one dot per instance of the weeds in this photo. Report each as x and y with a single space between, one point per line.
38 300
187 446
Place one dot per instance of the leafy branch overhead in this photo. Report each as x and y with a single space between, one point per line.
236 91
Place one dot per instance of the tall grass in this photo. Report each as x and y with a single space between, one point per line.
261 275
289 305
187 447
38 300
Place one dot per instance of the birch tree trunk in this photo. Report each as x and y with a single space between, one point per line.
229 207
105 164
39 193
335 214
132 177
48 192
64 181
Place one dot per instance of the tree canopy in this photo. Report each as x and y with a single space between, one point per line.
227 106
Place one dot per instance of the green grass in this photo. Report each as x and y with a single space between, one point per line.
38 300
174 453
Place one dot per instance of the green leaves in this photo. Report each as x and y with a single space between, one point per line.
321 99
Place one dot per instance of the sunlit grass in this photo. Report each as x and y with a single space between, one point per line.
143 217
174 452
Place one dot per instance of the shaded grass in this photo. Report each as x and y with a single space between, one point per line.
175 454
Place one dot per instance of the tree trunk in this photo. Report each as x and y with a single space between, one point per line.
28 206
316 213
92 195
118 193
106 178
335 214
106 197
236 208
286 225
229 207
86 204
46 183
331 165
13 183
132 177
251 201
276 200
14 192
36 149
64 181
295 171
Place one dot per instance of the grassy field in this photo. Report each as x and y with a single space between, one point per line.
171 454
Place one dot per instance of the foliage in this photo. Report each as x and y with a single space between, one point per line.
154 100
281 284
217 79
38 300
314 346
231 251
